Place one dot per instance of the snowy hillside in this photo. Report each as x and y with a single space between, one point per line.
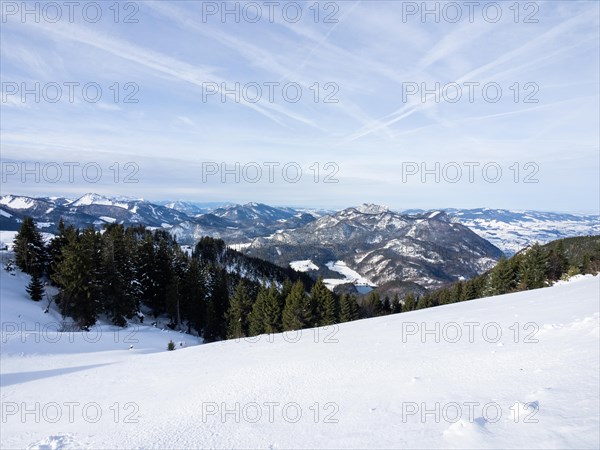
525 376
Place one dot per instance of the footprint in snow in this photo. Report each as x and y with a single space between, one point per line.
466 429
56 442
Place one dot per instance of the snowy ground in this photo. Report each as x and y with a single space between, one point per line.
527 376
303 265
350 276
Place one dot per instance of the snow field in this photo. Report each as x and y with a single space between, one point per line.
390 382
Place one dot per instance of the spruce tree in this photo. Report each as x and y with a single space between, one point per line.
240 306
257 315
386 307
78 277
469 291
118 296
534 268
586 264
286 288
557 262
348 308
502 278
444 297
55 247
35 288
272 311
324 301
194 296
29 248
410 302
296 313
396 304
372 305
173 302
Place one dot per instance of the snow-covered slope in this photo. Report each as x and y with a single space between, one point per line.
389 382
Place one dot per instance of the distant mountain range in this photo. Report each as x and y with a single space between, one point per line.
376 244
188 221
381 245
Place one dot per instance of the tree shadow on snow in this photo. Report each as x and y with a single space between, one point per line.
8 379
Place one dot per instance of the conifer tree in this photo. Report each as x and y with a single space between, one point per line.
30 252
534 268
469 291
212 329
35 288
444 297
372 306
173 302
386 307
296 313
55 247
456 291
586 264
348 308
118 296
410 302
396 304
257 315
324 302
272 311
240 306
194 296
502 278
286 288
557 262
78 277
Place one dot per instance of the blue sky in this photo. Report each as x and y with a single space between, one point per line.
369 57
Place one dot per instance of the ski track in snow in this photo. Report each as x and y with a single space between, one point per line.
362 375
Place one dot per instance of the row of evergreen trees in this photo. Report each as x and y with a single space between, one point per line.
113 273
536 267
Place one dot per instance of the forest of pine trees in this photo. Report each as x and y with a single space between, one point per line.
118 272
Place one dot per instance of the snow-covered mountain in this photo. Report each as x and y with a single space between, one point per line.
89 209
235 223
381 245
513 371
192 208
513 231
